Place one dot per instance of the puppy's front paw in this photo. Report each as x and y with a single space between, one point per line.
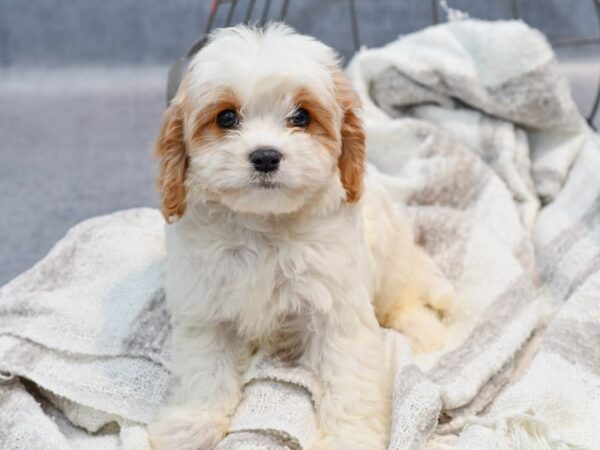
441 297
188 430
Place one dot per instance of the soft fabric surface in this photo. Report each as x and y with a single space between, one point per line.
476 136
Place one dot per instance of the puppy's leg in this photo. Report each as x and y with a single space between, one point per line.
413 295
415 299
204 392
354 411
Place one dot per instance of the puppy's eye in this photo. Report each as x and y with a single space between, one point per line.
300 118
227 119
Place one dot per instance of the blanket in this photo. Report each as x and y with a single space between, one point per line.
474 133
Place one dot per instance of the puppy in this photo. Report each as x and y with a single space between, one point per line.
276 241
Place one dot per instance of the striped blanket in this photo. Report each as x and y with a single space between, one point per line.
474 133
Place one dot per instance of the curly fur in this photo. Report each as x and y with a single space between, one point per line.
300 262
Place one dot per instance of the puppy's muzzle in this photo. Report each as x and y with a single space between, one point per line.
265 159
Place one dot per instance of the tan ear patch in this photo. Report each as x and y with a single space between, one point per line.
171 152
352 159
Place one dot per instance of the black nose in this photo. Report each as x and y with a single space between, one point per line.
265 159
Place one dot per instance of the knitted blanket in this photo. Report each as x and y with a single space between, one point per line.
474 133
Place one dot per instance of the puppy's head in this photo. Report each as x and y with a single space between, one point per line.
263 122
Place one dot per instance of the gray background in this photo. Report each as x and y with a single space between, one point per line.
82 91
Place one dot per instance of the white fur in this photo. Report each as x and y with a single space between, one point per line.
263 69
294 270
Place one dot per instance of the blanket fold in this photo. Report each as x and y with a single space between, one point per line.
473 132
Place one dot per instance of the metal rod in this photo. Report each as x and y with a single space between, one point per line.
284 9
575 42
249 10
230 13
596 104
211 16
354 24
265 13
592 114
515 9
434 12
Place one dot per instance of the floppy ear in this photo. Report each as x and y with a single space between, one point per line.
352 158
171 152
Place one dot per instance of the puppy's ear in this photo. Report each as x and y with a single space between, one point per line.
171 152
352 158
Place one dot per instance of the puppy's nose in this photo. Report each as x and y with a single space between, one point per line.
265 159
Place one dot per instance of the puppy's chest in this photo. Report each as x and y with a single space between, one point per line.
267 290
265 280
267 274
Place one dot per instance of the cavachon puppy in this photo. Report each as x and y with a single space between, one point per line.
277 241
